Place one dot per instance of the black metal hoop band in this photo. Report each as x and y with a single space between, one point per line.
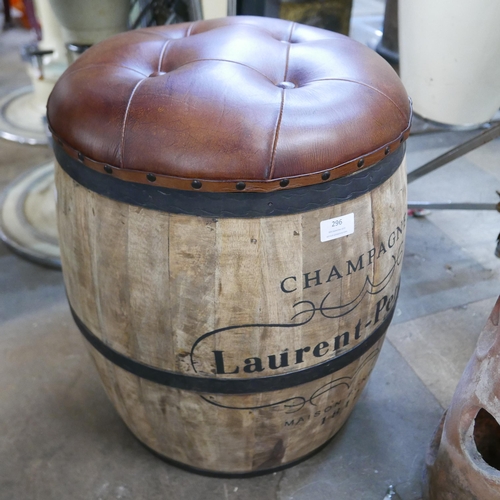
238 205
233 386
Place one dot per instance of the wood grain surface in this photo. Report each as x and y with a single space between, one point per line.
233 299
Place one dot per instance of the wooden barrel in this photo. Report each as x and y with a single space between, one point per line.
232 228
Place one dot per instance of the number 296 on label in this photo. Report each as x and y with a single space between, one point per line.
337 227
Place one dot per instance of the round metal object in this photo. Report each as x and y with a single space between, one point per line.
21 117
28 216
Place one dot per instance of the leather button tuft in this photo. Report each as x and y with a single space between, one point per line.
157 73
286 85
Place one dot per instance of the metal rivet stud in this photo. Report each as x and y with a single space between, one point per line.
325 176
196 184
151 177
284 183
387 150
240 186
361 163
108 169
81 157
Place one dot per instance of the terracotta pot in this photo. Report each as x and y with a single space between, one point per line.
463 462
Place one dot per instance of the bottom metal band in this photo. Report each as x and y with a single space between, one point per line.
233 386
236 475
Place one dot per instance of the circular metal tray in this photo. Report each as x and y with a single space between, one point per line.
21 119
28 216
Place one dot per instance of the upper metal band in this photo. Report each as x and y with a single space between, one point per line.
233 386
229 204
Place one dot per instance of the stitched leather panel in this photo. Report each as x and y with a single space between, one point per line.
207 101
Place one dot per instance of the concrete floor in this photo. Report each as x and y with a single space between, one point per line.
60 438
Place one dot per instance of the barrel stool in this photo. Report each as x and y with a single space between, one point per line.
232 206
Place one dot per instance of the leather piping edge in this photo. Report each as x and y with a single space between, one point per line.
234 186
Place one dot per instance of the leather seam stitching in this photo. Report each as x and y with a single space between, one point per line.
403 114
162 54
294 24
125 117
224 60
156 34
280 117
189 29
104 64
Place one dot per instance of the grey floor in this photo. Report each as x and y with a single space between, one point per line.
60 438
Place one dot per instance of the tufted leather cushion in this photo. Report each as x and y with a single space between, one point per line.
239 98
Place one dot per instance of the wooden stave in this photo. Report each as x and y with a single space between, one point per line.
74 290
201 444
106 373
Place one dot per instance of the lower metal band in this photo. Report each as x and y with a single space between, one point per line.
233 386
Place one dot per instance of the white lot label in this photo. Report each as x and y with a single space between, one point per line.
332 229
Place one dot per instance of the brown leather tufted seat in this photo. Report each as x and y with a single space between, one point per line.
268 102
